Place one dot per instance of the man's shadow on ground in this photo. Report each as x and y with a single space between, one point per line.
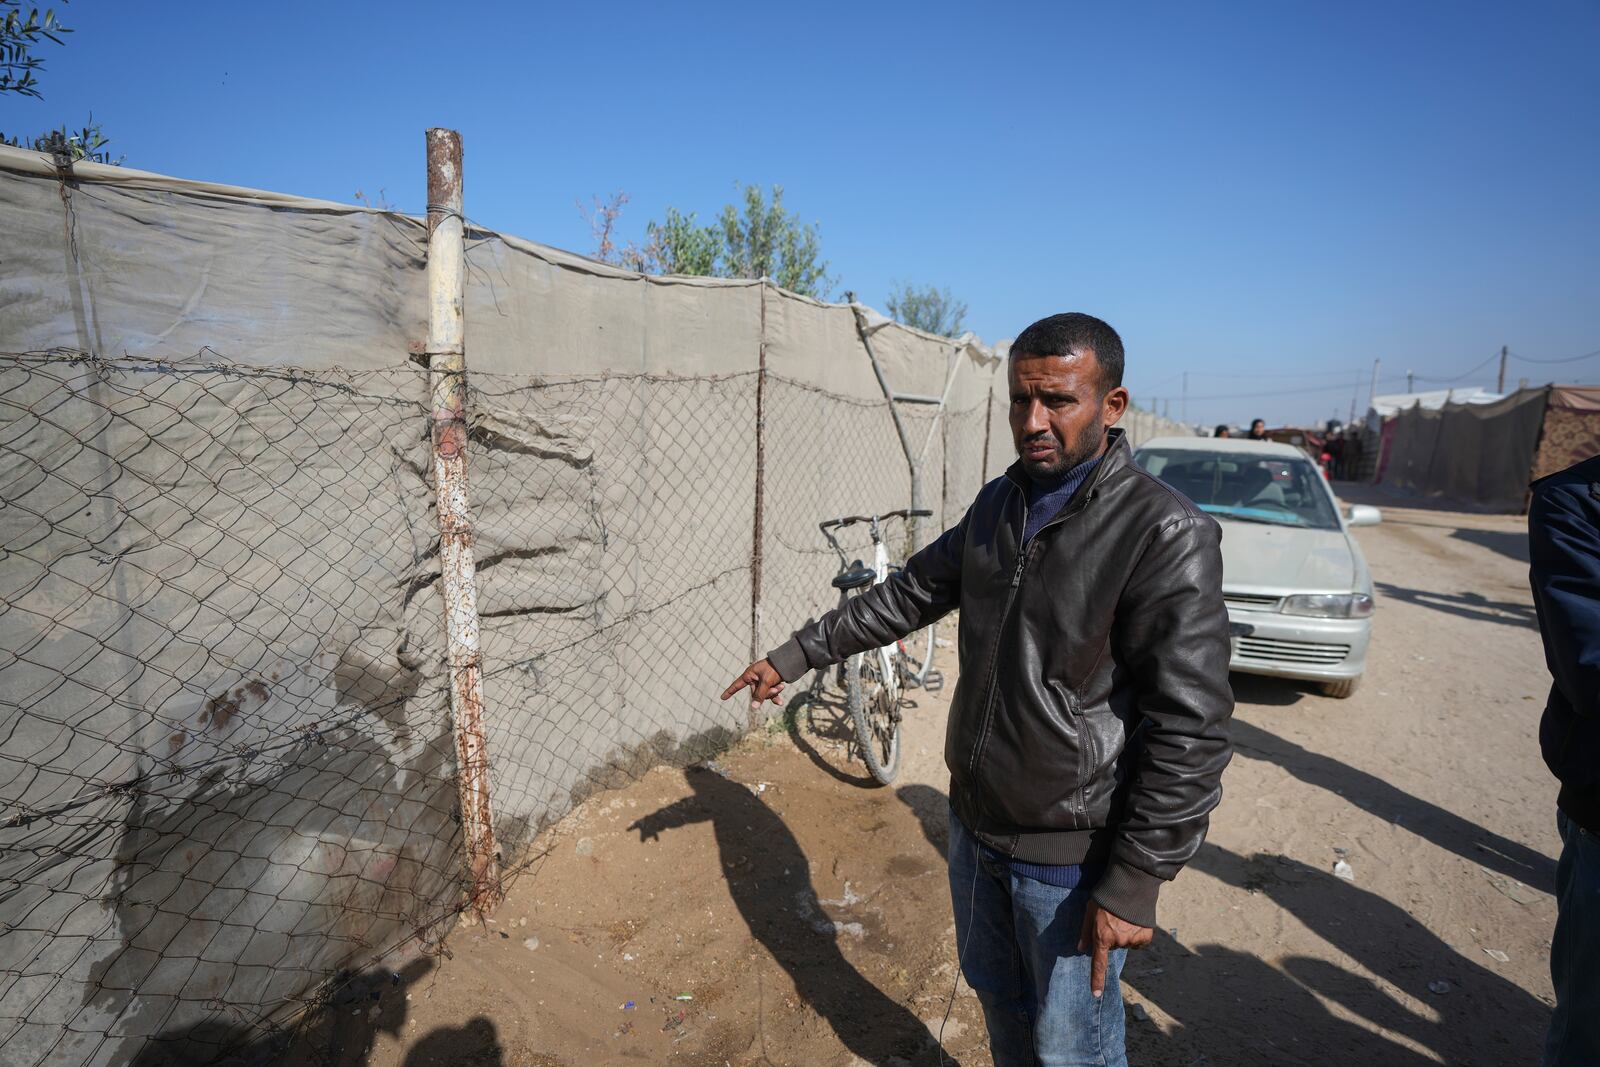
1467 605
1471 1015
341 1032
1239 1009
1373 795
769 876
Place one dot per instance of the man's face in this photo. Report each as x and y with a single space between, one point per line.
1258 427
1058 417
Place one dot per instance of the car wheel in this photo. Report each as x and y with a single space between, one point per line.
1341 689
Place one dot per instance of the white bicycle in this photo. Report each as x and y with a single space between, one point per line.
875 682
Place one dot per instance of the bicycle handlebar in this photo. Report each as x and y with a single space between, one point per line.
851 520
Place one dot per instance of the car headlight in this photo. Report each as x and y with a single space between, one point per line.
1329 605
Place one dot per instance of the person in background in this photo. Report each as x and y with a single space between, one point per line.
1335 450
1088 731
1564 550
1222 431
1258 430
1352 456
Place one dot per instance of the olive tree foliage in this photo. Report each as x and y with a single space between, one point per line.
21 31
760 239
927 308
767 241
88 143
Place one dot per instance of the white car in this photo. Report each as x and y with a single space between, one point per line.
1298 590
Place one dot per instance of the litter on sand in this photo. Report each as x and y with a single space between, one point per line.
684 996
1511 887
1341 869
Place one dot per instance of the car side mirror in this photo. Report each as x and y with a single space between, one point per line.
1364 515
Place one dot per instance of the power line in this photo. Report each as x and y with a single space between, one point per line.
1337 387
1464 374
1297 374
1343 374
1569 359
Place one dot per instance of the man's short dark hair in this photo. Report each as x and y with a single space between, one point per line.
1058 335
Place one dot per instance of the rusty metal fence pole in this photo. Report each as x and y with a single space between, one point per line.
759 526
447 371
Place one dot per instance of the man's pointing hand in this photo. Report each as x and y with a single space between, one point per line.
762 679
1102 932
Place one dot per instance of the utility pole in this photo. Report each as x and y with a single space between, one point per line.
1355 395
1500 386
1409 387
1166 408
1373 393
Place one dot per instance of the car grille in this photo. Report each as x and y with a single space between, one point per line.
1271 650
1251 602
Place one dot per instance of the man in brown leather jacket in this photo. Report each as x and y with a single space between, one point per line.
1087 732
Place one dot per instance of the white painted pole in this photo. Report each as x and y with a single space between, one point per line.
447 366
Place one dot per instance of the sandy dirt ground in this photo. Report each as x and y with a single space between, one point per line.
779 908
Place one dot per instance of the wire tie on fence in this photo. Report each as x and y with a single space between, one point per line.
24 816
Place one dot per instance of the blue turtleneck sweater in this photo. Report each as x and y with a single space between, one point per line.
1046 499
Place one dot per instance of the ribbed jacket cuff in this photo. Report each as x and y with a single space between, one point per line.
789 660
1128 893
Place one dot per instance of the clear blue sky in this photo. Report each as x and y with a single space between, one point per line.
1265 195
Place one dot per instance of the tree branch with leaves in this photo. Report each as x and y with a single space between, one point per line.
21 31
761 240
927 308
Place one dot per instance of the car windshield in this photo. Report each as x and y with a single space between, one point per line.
1281 490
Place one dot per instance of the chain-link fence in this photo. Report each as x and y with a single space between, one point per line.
227 771
613 577
229 775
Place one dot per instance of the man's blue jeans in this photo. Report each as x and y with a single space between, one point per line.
1018 944
1574 1039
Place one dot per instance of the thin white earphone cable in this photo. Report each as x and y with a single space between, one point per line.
961 952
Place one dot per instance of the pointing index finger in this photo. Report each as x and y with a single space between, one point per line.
1097 968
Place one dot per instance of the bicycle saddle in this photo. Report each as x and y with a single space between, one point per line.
857 574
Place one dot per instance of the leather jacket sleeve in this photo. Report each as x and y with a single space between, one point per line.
928 588
1564 545
1172 632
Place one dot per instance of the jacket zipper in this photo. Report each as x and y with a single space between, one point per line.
1024 553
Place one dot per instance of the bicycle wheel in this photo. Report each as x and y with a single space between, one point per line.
876 715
